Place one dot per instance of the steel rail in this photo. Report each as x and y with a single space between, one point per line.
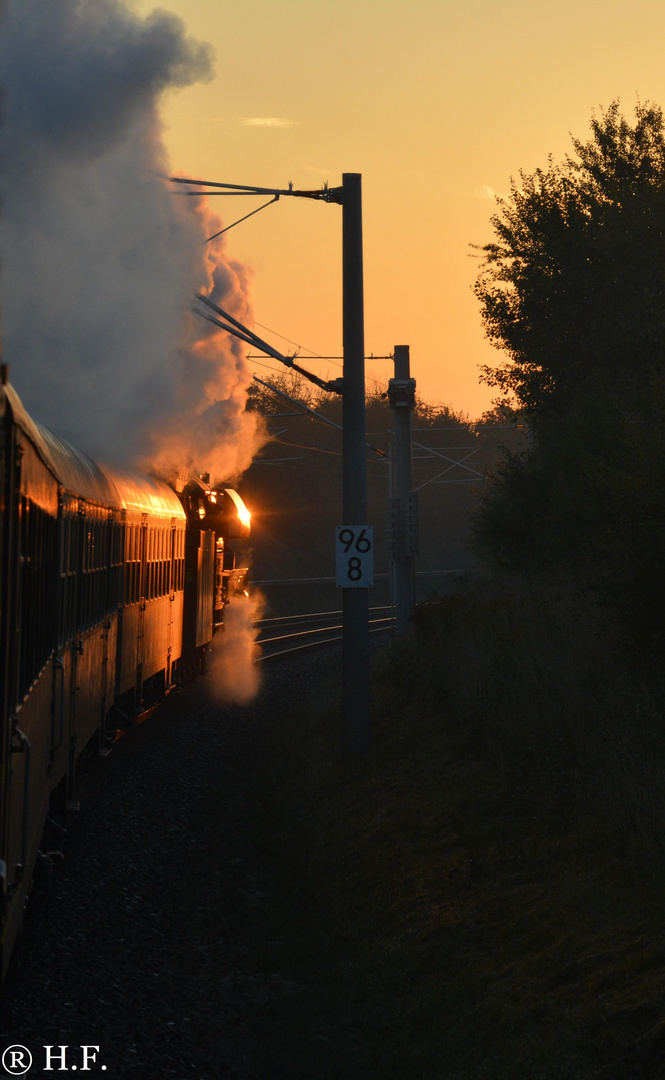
310 646
317 630
310 631
315 615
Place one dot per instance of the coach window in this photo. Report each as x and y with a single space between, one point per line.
166 563
135 564
153 563
84 588
132 566
38 539
68 574
146 584
103 567
168 559
136 595
181 560
114 596
163 573
90 571
128 563
150 591
159 589
148 563
158 562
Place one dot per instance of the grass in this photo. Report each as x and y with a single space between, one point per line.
482 897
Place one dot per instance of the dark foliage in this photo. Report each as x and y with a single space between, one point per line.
574 291
574 287
294 487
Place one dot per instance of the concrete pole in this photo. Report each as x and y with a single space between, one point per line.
355 602
403 516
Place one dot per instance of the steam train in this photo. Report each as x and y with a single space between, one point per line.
111 587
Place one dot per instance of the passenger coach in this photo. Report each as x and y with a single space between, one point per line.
111 586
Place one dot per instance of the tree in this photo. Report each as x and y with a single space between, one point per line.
574 286
573 290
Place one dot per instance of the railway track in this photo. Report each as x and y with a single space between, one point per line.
291 634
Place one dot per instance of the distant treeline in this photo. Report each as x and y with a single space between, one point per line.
295 485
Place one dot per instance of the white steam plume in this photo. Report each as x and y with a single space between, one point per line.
235 678
99 259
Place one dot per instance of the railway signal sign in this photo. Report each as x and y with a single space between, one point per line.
354 556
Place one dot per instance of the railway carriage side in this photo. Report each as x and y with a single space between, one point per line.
111 587
28 619
69 587
150 644
90 590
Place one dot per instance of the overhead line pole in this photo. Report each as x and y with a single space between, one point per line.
355 601
403 533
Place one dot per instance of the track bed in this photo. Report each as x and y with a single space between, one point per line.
152 939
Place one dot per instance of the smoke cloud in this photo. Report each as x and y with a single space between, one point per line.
235 678
100 259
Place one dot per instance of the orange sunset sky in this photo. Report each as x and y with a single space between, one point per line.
437 103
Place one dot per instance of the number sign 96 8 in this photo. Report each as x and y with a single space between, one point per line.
355 556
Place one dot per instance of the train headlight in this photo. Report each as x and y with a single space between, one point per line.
237 517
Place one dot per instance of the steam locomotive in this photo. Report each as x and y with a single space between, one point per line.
111 587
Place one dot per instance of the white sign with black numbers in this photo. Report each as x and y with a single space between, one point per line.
354 556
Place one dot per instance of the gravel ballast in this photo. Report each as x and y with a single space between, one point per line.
150 940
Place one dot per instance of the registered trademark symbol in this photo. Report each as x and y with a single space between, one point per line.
14 1060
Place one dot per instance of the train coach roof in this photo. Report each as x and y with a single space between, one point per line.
81 476
144 493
